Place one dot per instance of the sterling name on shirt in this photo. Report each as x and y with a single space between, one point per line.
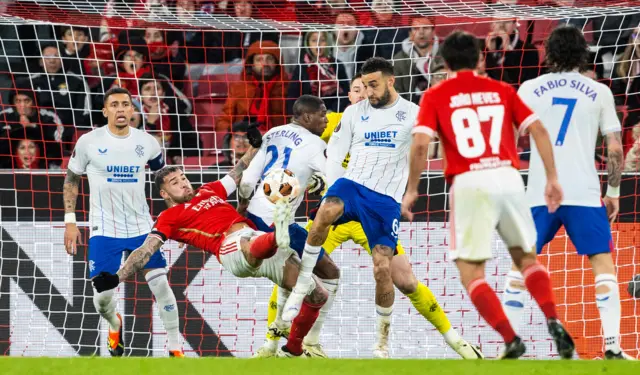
574 84
289 134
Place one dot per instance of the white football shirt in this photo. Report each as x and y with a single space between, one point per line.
573 108
378 140
115 167
290 147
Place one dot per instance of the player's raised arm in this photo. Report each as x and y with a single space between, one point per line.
252 174
339 145
77 166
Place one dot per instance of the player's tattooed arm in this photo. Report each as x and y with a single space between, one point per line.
70 191
242 165
139 258
615 159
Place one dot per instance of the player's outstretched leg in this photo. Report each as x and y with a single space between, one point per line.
309 311
167 308
276 327
105 305
385 296
330 210
425 302
538 282
488 305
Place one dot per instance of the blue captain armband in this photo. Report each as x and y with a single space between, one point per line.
156 163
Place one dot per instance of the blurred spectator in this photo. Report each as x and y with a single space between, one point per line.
164 59
632 159
481 69
508 58
349 44
162 118
132 60
235 144
236 43
197 46
76 49
260 95
67 94
438 72
411 65
627 82
319 73
27 155
384 36
23 120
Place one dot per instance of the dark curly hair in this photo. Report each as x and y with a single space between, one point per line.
460 50
566 50
377 64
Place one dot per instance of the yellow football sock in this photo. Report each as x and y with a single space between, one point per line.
273 311
425 302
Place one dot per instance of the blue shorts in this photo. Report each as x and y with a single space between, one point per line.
379 214
297 234
587 227
105 254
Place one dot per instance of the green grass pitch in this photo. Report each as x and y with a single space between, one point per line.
231 366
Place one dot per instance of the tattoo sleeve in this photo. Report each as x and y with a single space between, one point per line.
139 258
615 159
242 165
70 191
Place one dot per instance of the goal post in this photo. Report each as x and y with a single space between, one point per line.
186 64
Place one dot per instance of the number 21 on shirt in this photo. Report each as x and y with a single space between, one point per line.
272 152
466 123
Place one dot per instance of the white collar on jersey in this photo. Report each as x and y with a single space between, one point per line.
118 136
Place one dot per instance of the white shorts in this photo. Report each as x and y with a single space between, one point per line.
233 260
485 200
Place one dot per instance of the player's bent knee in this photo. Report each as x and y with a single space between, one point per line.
330 210
402 275
319 295
381 268
326 268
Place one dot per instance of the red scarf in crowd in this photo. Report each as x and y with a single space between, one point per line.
259 108
323 77
130 81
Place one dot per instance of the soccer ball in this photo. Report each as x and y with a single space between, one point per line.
281 184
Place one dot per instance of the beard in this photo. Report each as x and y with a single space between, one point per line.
383 100
265 73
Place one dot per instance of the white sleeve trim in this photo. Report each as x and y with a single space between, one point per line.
527 122
612 129
424 130
229 184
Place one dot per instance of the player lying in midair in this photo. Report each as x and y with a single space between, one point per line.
473 117
114 159
204 219
298 148
573 108
376 134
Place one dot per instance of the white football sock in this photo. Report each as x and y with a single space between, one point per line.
313 337
167 306
283 294
513 299
383 323
451 337
105 305
309 260
609 307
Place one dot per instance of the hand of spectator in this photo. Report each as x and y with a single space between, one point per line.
254 135
24 121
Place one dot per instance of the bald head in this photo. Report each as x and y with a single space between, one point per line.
310 112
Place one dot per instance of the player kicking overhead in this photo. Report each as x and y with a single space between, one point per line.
114 159
573 108
473 118
376 134
298 148
205 220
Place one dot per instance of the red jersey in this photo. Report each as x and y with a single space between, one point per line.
202 222
474 118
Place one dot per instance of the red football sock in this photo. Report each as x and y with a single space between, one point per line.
490 308
538 282
264 246
301 326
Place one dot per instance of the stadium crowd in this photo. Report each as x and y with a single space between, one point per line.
197 91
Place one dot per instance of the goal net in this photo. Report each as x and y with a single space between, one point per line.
199 71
